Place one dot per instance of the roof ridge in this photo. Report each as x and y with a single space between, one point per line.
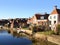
55 11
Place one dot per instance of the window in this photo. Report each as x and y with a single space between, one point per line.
42 17
50 17
54 17
54 22
50 22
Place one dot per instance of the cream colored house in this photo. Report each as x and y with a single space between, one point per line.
54 18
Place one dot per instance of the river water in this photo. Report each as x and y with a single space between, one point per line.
8 39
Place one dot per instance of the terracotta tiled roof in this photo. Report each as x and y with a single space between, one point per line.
56 11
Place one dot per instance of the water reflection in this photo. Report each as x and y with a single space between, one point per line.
7 39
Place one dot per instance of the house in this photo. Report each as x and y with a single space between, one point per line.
23 22
16 23
39 19
54 18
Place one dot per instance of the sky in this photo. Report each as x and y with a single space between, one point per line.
26 8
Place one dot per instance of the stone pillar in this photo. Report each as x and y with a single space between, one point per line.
11 26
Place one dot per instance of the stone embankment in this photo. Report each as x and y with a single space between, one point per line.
54 39
28 31
51 38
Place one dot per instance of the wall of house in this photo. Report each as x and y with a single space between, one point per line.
34 20
52 18
42 22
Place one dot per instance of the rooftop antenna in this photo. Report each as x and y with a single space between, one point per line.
55 7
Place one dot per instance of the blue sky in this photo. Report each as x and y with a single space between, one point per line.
26 8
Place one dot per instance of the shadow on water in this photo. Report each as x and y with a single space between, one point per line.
6 38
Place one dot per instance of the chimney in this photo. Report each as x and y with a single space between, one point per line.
45 12
55 7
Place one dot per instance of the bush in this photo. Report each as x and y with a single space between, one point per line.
41 28
35 28
38 28
31 27
49 32
58 29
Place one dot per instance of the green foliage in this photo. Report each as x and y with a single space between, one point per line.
50 32
42 28
26 28
58 29
31 26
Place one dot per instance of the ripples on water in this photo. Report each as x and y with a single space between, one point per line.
8 39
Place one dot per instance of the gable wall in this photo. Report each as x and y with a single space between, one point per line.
52 19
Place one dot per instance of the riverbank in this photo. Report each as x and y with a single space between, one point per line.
51 38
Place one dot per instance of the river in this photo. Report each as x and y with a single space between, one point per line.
8 39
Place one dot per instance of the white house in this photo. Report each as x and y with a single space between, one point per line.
54 18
